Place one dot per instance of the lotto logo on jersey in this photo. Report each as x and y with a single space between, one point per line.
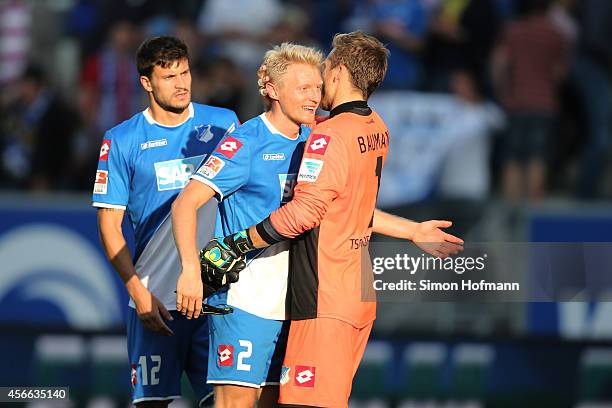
287 184
212 167
134 376
310 170
304 376
319 144
101 183
225 355
174 174
229 146
104 149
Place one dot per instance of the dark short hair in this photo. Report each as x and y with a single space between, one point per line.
162 51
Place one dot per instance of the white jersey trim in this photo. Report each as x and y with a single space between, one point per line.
230 382
273 129
262 287
209 183
152 121
137 400
104 205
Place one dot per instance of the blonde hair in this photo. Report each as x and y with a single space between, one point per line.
277 60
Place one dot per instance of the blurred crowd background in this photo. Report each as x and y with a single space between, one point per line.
540 69
500 116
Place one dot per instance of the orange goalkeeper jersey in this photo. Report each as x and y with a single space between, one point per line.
331 217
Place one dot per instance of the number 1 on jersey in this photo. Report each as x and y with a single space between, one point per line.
377 173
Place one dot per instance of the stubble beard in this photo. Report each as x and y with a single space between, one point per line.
172 108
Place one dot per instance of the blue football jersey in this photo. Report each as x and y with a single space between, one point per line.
143 166
253 171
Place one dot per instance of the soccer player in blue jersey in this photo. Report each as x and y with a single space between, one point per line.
144 163
252 171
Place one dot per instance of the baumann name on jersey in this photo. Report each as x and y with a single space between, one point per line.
375 141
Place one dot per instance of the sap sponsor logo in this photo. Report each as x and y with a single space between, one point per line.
105 149
285 375
153 143
305 376
225 355
174 174
319 144
212 167
229 146
310 170
101 183
203 133
50 278
287 184
274 156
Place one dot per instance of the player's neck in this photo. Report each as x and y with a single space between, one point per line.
167 118
344 96
283 124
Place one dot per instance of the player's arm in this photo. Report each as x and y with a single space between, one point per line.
321 178
189 288
302 213
150 310
427 235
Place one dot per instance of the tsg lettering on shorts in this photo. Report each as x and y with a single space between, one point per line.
174 174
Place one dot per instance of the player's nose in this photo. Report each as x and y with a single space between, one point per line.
180 83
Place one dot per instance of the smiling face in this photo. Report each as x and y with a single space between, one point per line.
299 92
170 87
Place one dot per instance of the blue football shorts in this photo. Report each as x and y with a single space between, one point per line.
157 362
248 350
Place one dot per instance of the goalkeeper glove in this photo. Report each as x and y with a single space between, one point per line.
222 259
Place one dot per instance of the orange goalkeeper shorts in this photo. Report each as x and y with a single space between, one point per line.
321 360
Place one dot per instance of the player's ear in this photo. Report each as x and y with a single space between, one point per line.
272 91
146 83
338 72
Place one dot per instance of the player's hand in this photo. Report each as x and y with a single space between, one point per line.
223 259
429 236
152 313
189 291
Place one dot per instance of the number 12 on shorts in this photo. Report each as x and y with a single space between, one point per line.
225 355
148 378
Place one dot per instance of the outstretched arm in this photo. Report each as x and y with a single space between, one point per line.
427 235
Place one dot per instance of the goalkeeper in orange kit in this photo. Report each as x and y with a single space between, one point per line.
334 205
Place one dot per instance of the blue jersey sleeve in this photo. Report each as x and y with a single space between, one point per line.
112 184
227 168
